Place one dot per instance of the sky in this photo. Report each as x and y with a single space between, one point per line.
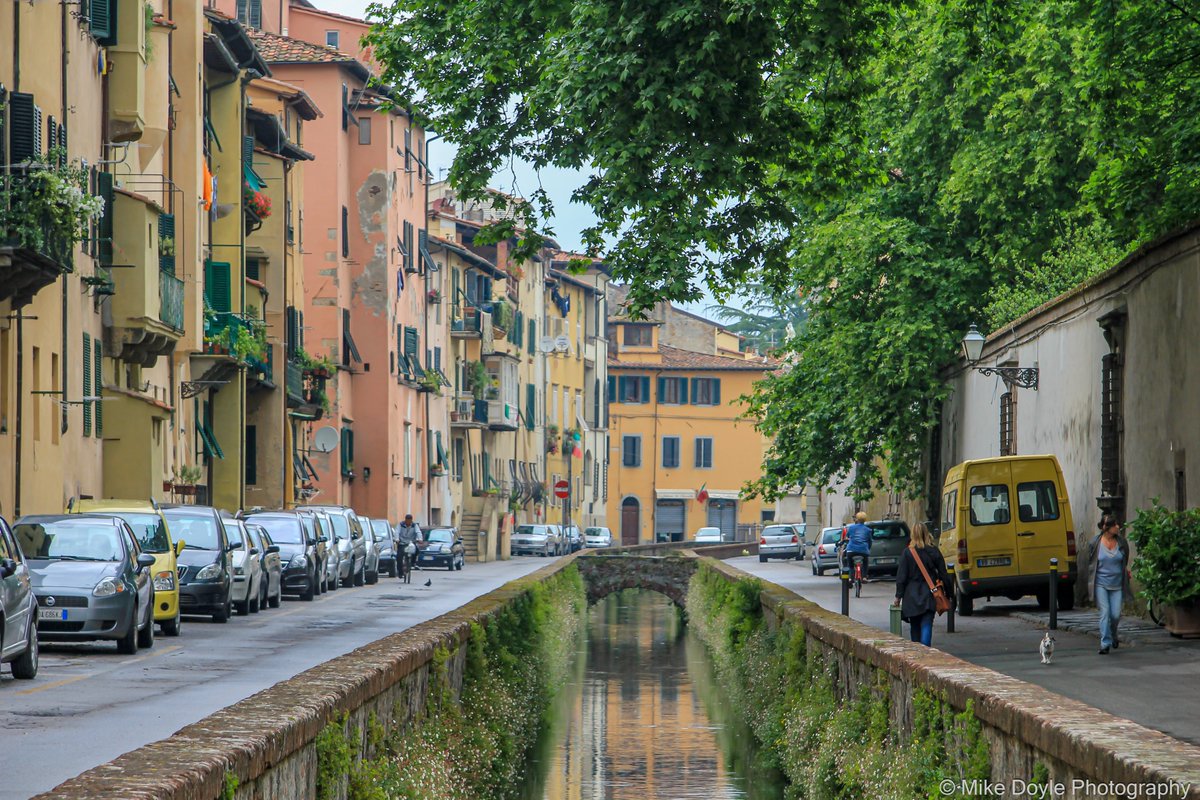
569 218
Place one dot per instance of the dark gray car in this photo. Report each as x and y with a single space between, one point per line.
295 536
352 550
888 540
18 608
90 578
205 565
271 588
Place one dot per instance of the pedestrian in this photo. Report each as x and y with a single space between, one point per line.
914 594
409 532
1108 579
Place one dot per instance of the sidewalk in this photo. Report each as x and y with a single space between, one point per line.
1132 630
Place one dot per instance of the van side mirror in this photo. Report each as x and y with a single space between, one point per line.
272 549
179 545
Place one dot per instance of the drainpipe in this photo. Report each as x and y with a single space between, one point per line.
18 416
64 361
425 316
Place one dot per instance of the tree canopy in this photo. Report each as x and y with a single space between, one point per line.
908 166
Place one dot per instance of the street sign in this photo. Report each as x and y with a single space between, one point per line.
561 490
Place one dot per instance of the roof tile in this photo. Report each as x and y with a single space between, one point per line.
675 359
276 49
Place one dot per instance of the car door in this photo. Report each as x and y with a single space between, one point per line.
990 533
14 591
139 575
253 560
1041 524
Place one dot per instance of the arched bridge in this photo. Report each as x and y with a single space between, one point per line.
667 575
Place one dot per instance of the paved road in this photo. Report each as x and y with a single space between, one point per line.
89 705
1151 680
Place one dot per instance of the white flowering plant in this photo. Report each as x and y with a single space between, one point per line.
45 205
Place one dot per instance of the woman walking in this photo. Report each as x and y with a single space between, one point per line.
913 593
1108 584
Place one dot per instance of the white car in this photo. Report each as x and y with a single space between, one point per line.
247 567
709 535
597 537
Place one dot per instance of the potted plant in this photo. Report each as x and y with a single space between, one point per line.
435 297
514 503
437 470
502 318
1165 566
166 246
430 382
476 379
256 202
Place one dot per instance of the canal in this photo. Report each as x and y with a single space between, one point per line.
642 716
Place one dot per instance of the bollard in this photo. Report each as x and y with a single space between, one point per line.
953 600
845 575
894 620
1054 594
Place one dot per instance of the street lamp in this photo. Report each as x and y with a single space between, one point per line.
972 348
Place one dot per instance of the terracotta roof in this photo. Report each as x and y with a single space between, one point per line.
278 49
675 359
310 8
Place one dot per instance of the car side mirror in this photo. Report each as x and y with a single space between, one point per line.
253 551
145 560
231 547
8 567
272 549
179 545
458 541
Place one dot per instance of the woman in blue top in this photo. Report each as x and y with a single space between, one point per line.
1108 565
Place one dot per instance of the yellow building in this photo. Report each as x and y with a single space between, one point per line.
680 450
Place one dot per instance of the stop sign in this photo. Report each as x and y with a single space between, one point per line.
561 489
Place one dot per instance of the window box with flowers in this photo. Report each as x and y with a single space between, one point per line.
435 297
256 207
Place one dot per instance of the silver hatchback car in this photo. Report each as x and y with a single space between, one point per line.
779 541
824 552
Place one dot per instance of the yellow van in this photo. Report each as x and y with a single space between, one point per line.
154 537
997 553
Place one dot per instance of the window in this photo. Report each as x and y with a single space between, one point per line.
332 39
949 510
456 448
1007 407
638 336
673 391
364 130
706 391
1037 501
347 451
251 455
670 450
345 232
1111 424
704 452
989 504
631 451
633 389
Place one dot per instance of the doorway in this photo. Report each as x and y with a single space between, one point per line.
631 523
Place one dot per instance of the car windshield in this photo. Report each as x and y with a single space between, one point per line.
198 531
887 532
779 530
285 530
594 532
708 532
441 535
233 532
532 530
149 530
383 531
74 540
341 528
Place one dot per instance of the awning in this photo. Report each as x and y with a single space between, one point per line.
675 494
724 494
211 448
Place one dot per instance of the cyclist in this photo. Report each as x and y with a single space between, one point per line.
408 532
857 541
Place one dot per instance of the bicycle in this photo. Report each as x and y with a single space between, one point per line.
856 575
404 565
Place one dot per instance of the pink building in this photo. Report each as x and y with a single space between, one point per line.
366 280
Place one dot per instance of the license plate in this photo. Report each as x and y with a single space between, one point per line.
885 561
993 562
427 558
56 614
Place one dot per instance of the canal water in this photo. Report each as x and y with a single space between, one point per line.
642 717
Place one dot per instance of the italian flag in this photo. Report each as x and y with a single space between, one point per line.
702 495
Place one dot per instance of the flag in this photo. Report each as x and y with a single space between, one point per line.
702 495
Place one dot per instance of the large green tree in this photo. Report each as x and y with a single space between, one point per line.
911 165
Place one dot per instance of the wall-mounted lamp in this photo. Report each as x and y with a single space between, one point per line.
972 348
366 471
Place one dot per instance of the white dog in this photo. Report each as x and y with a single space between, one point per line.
1046 648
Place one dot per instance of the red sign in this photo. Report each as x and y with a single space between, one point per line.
561 490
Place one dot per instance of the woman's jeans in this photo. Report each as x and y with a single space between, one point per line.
1108 601
921 628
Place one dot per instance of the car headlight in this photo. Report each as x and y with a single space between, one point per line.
239 571
164 581
107 587
209 573
298 561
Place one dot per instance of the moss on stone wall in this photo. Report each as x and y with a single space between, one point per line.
828 745
473 741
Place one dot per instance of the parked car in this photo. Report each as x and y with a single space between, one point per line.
371 547
708 535
90 578
295 536
557 540
572 538
889 538
206 565
824 554
154 537
597 537
18 609
271 585
352 551
327 549
247 566
779 541
387 554
443 548
801 529
533 539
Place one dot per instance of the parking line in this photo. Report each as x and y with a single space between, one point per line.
77 678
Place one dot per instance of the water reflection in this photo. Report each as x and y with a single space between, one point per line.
642 717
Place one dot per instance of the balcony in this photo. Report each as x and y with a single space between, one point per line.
502 416
468 412
469 322
148 303
127 68
501 393
34 251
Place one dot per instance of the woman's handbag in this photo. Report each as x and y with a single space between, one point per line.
941 603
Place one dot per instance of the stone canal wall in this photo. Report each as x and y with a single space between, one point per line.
1032 733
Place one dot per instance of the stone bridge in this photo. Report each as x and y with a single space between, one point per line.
668 575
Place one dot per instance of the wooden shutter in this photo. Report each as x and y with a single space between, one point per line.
102 21
255 13
25 127
98 370
217 287
63 158
345 232
51 134
645 380
242 14
715 383
347 450
166 230
87 382
612 389
530 406
104 228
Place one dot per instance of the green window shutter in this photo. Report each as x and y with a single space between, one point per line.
98 369
347 450
683 390
25 127
87 382
51 133
612 389
217 288
533 335
454 285
104 227
251 455
166 230
252 269
412 349
255 13
530 406
645 389
102 21
209 439
694 382
716 391
662 384
63 159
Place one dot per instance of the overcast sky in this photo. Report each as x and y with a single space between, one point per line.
569 218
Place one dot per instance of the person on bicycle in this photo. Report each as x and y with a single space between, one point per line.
409 532
857 539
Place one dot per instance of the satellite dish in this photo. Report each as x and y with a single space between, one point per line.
325 440
563 343
546 344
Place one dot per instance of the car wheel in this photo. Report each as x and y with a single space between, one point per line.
172 627
310 590
224 612
257 603
360 577
243 607
762 559
814 569
145 637
277 600
373 577
26 666
127 645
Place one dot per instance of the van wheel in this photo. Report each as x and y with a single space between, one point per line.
1043 598
762 559
1066 597
966 604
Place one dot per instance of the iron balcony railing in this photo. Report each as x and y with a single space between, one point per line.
170 296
